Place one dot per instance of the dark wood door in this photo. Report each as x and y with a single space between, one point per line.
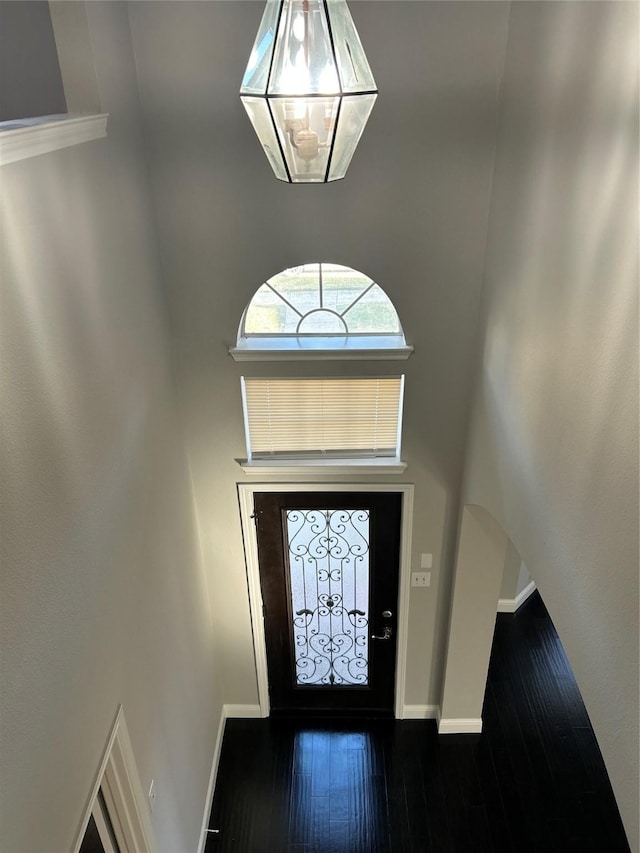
329 576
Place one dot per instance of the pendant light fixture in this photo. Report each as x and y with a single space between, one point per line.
308 89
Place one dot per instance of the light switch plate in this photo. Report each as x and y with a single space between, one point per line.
421 579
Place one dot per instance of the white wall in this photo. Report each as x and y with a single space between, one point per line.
553 448
104 600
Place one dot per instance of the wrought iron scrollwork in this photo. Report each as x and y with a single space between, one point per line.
329 575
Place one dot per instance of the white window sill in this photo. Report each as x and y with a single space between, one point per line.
348 348
291 467
30 137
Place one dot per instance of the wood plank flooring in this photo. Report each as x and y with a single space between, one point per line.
533 782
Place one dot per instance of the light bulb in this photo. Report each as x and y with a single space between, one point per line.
295 108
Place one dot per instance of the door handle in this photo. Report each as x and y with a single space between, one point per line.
386 634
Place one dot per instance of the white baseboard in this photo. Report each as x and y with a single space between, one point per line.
510 605
242 711
459 726
228 712
420 712
212 780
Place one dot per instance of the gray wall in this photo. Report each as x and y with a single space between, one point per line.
411 213
553 450
104 599
30 81
104 596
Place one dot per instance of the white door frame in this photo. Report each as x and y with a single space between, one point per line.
100 817
249 535
125 801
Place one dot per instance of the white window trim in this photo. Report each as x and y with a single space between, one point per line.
245 495
324 467
327 465
250 349
24 138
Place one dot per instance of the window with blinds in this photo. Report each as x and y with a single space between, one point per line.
339 418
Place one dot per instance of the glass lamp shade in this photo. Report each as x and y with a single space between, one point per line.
308 89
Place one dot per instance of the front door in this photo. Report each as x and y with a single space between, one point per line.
329 577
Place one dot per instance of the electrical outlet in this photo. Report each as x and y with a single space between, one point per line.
421 579
152 794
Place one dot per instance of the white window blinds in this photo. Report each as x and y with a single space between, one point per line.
316 417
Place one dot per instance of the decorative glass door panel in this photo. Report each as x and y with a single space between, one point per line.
329 581
328 559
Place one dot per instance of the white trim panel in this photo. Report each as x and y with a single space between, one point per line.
125 799
461 726
212 779
246 354
245 497
127 805
228 712
242 712
404 587
26 138
510 605
420 712
100 818
314 467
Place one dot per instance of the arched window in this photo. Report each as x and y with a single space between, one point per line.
320 311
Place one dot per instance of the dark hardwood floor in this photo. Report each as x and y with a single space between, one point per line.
533 781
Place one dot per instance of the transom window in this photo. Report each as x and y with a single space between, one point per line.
330 417
315 310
